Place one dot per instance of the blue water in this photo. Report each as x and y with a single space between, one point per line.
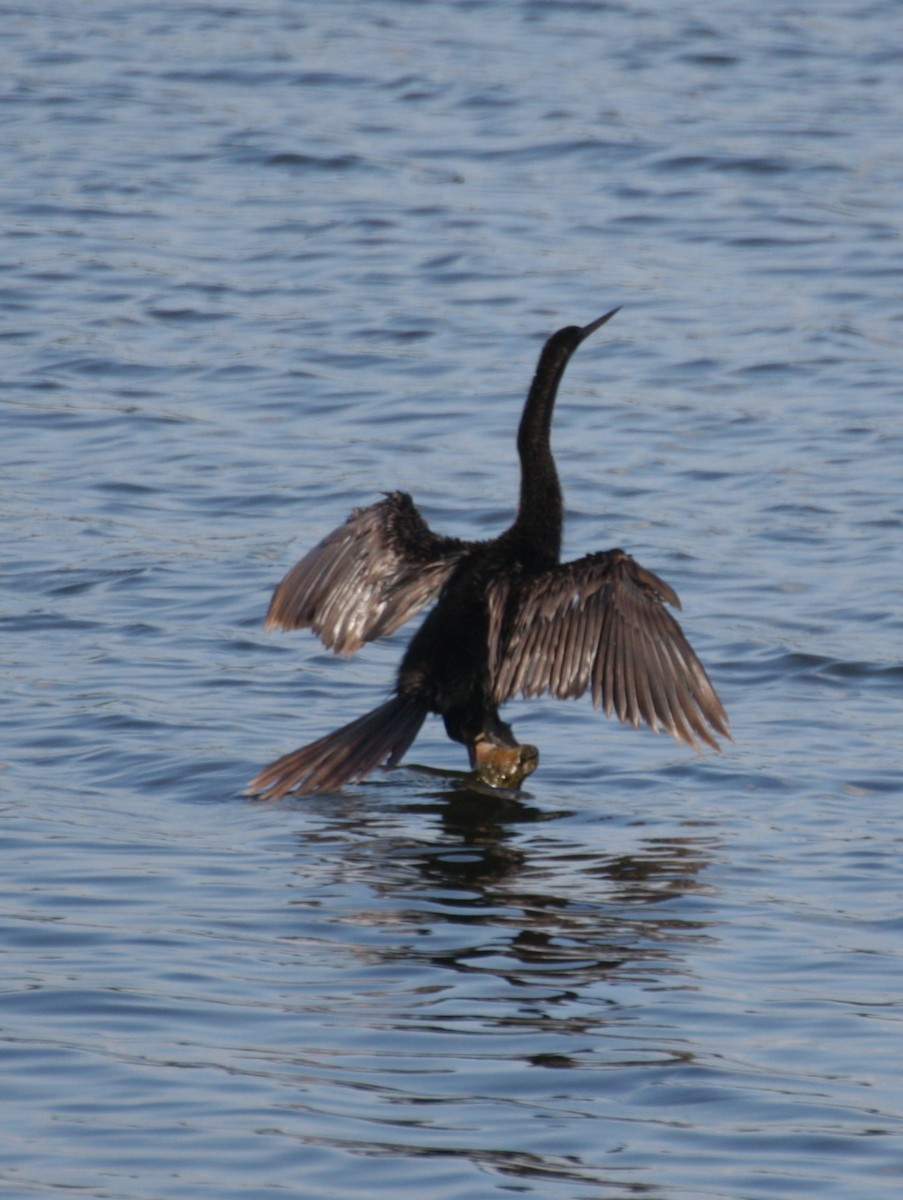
261 262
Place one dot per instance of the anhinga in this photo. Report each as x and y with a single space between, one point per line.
510 617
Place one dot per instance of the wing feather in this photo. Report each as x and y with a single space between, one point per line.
600 624
366 578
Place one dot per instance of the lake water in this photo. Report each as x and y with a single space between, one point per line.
263 261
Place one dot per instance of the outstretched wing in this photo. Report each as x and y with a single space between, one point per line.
367 577
600 623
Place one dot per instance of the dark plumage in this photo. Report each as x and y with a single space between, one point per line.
510 618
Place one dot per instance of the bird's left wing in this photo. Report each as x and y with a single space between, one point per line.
600 623
367 577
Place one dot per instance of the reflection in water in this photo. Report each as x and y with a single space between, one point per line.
556 911
503 965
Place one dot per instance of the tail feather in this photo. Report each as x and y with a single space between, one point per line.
380 738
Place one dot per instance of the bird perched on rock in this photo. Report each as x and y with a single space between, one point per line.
509 617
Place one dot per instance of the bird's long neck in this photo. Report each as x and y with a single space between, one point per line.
541 510
535 535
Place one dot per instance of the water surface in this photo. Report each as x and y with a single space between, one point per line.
261 262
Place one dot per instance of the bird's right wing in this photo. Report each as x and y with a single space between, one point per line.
600 624
367 577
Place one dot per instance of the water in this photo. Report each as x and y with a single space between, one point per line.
263 261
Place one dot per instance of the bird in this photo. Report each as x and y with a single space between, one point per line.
509 617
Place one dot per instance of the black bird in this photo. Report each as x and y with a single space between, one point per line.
510 618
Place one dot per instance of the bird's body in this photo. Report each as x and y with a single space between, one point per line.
510 617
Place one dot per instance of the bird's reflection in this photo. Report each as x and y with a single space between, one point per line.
514 890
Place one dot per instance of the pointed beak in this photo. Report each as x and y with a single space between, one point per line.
594 325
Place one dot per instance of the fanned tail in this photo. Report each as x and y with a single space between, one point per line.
380 738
